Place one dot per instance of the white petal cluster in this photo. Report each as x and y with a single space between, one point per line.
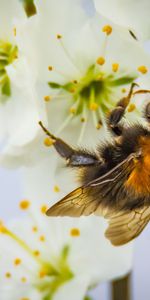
68 69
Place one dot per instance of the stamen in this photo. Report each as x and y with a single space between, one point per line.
95 119
64 125
20 242
44 209
102 117
61 73
50 68
131 107
100 61
17 261
63 96
59 37
14 31
47 98
35 229
48 142
42 274
83 120
56 189
24 204
72 110
142 69
75 232
42 238
93 106
36 253
84 123
107 29
115 67
24 279
8 275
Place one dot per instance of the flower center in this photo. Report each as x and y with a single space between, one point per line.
51 281
8 53
97 92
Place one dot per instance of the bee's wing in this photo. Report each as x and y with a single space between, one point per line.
75 204
124 227
86 200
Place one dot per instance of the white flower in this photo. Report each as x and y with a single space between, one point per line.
88 64
19 111
132 14
54 258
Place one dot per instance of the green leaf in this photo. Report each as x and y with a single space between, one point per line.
122 81
54 85
87 298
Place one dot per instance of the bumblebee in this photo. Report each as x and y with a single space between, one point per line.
115 179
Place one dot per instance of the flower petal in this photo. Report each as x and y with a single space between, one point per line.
128 13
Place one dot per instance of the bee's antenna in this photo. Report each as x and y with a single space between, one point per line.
131 90
46 131
141 92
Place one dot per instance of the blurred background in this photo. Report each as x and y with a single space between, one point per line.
11 194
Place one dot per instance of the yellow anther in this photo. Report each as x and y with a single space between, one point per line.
100 61
14 31
48 142
83 119
72 90
107 29
131 107
123 90
42 274
98 126
8 275
24 299
36 252
59 36
35 229
3 229
56 189
17 261
47 98
50 68
24 204
42 238
24 279
93 106
44 209
75 81
115 67
142 69
72 110
75 232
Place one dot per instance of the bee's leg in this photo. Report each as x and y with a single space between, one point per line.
118 112
73 157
